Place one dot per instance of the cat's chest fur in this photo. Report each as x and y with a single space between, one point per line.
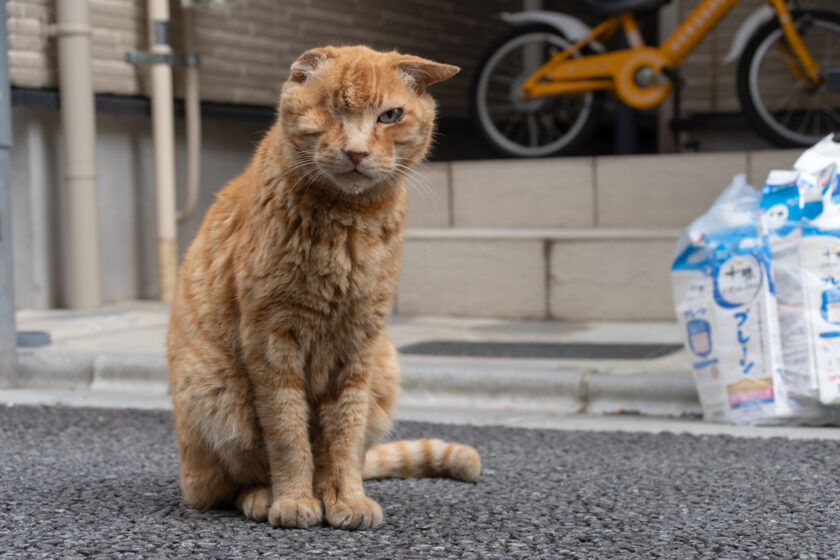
340 264
322 267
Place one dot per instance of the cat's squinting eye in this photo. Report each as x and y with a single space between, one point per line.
391 116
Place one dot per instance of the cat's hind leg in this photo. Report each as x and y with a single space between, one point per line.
254 503
204 482
218 435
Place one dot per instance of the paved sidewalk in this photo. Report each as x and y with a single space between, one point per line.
121 348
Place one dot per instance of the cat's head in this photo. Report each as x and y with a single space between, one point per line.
354 118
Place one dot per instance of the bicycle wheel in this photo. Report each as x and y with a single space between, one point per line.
528 127
785 108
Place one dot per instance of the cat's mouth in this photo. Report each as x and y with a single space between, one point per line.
353 181
355 174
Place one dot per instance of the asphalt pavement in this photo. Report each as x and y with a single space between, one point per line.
102 483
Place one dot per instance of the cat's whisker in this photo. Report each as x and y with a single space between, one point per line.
309 171
419 182
413 182
300 159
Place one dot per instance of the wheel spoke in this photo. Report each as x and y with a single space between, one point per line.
501 109
806 118
783 103
521 135
551 126
791 112
512 124
506 80
830 112
533 131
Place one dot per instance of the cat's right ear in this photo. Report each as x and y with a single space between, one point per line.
306 64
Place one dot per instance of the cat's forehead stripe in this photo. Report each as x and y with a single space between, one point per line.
360 87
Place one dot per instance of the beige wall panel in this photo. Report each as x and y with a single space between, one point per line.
611 280
662 191
473 277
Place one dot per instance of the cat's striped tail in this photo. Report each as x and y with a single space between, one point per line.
422 458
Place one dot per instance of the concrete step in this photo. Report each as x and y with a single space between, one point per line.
586 274
646 191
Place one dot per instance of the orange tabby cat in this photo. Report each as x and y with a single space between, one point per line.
281 375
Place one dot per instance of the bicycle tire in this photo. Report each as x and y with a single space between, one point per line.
756 113
582 129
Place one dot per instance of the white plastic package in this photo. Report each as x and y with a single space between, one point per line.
756 284
726 305
821 273
757 291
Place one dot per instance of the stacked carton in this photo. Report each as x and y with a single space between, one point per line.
756 284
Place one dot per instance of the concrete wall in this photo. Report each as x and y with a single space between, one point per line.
125 168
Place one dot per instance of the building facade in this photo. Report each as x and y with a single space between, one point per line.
246 49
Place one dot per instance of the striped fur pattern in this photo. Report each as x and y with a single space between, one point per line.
280 372
422 458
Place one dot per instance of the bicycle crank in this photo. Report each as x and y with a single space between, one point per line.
641 82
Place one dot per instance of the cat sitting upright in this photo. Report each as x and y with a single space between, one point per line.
282 378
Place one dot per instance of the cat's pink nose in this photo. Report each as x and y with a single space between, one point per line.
356 157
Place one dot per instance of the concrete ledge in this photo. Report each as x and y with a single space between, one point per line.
659 394
548 234
49 368
432 381
79 368
485 384
126 370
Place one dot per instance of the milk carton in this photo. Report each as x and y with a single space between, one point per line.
782 208
821 278
725 302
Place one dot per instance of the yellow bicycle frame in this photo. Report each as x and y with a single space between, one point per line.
617 71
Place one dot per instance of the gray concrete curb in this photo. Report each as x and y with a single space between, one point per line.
668 393
429 381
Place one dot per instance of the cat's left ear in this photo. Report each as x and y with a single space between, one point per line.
423 73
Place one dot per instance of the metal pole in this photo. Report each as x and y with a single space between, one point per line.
78 123
8 337
192 108
669 18
163 129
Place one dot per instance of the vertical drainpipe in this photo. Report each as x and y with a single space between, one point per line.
163 126
78 123
192 108
8 336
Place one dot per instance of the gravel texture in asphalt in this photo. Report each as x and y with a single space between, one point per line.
96 483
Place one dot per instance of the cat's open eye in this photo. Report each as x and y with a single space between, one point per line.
391 116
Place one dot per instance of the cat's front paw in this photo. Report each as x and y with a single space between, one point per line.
300 512
354 513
